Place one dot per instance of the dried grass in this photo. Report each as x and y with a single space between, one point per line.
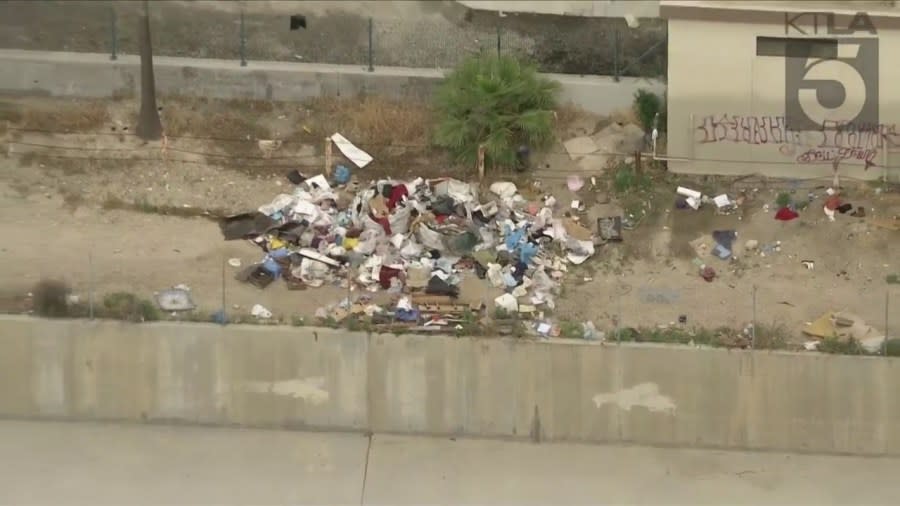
377 122
67 116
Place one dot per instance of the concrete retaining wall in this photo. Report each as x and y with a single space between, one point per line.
321 378
96 76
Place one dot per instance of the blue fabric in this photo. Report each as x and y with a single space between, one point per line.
271 266
527 252
405 315
341 174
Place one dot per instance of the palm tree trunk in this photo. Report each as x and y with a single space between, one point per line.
149 126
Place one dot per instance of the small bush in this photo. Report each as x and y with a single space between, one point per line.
892 348
841 347
129 307
498 102
771 336
50 299
626 179
783 200
647 105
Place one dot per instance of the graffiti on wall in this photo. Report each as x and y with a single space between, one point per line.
836 140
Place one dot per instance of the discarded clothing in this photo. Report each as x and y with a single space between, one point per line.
398 193
844 208
786 214
437 286
725 238
245 226
386 274
296 177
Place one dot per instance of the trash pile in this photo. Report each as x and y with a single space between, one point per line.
416 240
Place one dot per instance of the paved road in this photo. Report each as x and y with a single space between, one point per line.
98 464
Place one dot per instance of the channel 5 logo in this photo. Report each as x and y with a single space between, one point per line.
831 71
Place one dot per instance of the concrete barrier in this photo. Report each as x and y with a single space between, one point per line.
94 75
320 378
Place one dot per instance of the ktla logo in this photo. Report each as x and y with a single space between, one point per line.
833 78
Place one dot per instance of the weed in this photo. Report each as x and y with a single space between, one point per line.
892 279
570 329
330 322
783 199
770 336
67 116
129 307
626 179
50 298
355 323
892 348
501 313
650 110
298 321
842 347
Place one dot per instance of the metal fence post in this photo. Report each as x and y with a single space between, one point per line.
887 307
753 329
112 34
371 49
224 320
243 42
91 284
498 40
616 54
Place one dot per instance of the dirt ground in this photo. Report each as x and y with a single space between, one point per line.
96 208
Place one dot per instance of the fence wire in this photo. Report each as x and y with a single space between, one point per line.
252 31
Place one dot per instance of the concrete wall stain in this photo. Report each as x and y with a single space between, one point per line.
644 395
309 389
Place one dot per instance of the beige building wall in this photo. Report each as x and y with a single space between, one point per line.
726 108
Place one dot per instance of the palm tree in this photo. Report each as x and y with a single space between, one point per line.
149 126
498 104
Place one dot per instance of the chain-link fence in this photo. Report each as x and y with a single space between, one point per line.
247 32
115 280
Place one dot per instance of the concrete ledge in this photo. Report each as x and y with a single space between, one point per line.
94 75
502 388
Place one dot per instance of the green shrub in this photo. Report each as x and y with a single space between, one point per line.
892 348
783 200
627 179
129 307
498 102
646 106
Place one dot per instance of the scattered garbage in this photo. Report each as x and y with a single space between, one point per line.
844 326
260 312
175 299
234 262
724 243
359 157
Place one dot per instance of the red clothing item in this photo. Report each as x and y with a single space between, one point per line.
786 214
384 222
397 194
833 202
386 274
